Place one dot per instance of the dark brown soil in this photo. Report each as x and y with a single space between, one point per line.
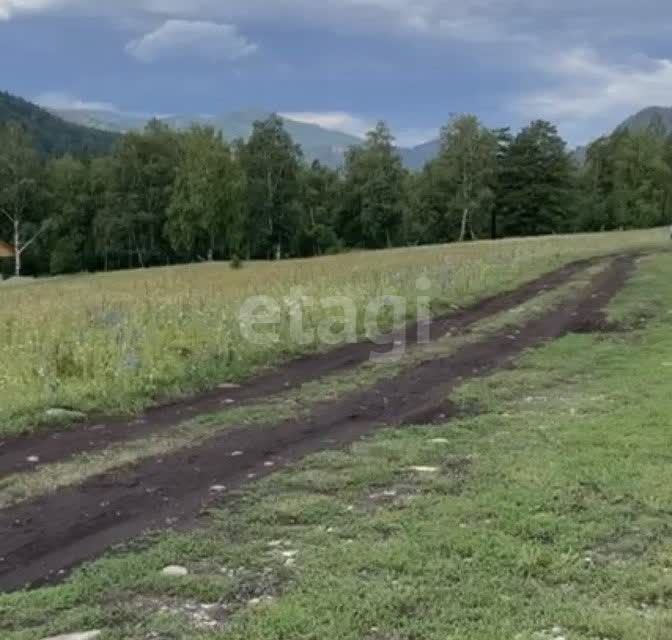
598 323
57 444
41 539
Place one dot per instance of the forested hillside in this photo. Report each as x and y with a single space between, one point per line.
164 196
52 135
656 118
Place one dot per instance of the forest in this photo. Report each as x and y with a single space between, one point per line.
165 197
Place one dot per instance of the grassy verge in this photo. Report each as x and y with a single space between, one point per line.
546 515
118 341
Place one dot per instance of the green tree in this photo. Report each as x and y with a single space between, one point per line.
374 198
272 164
457 189
319 197
431 218
420 213
504 142
666 176
19 184
145 167
536 185
108 226
209 196
468 161
70 207
627 181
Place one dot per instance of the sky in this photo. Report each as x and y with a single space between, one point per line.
344 64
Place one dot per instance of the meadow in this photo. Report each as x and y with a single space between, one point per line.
117 342
540 513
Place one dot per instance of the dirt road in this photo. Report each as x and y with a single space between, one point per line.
57 444
59 531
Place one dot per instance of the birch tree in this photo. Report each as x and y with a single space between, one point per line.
374 181
209 196
19 166
469 159
272 163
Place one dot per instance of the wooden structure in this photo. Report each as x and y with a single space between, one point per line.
6 250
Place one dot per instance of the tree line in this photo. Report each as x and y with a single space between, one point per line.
165 197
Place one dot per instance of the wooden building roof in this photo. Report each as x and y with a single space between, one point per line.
6 250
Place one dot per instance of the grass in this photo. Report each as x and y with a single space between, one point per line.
119 341
547 515
292 404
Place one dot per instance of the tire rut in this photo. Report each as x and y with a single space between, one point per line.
56 445
42 539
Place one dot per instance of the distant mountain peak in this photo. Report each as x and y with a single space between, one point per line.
96 129
648 117
318 143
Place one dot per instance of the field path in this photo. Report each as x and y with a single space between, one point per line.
41 539
58 444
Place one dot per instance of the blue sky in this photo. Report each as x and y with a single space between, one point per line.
346 63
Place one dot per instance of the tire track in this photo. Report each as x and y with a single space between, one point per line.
41 539
57 445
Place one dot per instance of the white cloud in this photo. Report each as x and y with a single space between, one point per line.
590 86
413 137
9 8
480 20
470 30
590 90
334 120
64 100
209 40
491 22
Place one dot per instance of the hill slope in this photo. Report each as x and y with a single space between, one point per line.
326 145
317 143
51 134
105 120
649 117
417 157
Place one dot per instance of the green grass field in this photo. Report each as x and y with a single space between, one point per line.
119 341
544 513
296 403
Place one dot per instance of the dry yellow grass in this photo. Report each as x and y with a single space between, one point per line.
116 341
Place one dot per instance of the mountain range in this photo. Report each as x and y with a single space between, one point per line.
96 131
317 143
658 117
326 145
50 133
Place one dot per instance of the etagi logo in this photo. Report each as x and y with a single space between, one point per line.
310 321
